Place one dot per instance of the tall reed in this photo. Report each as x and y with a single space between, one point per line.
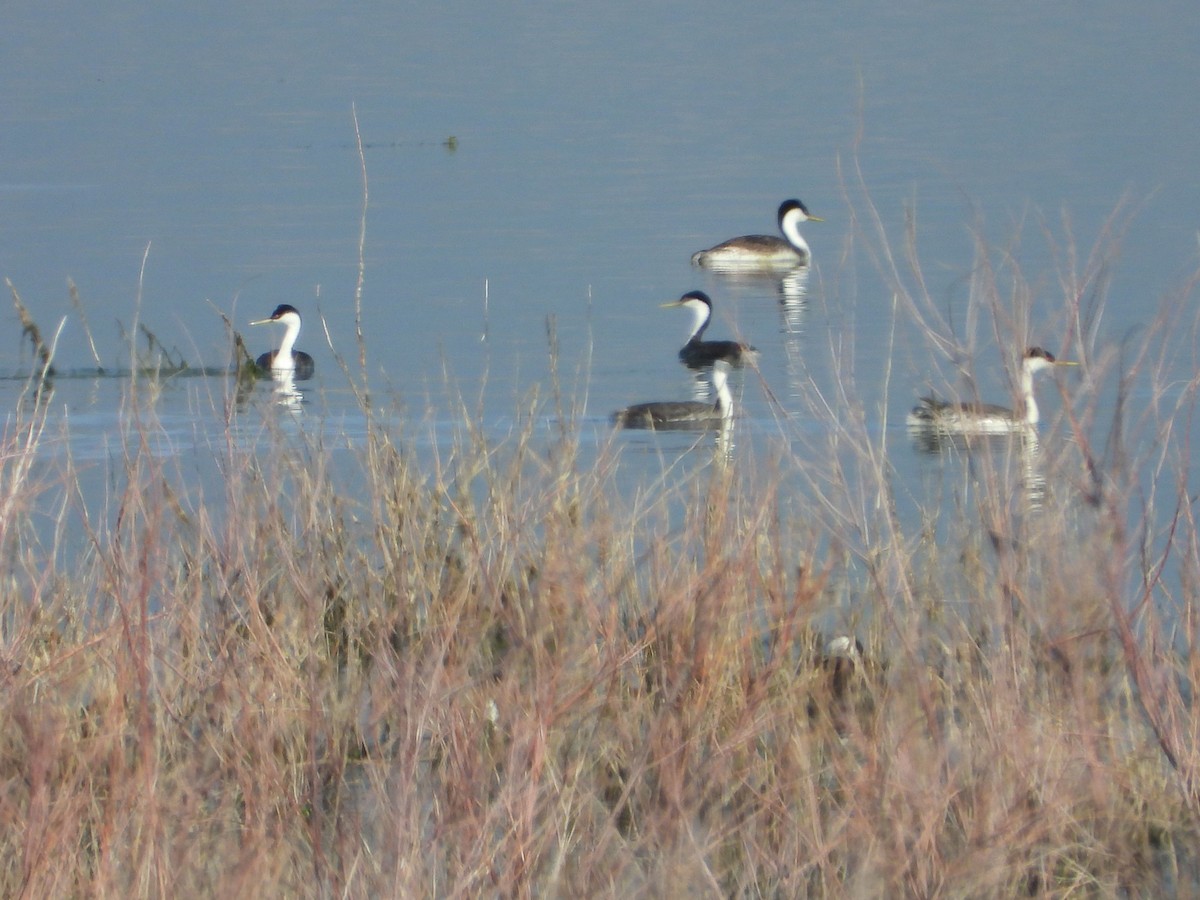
496 674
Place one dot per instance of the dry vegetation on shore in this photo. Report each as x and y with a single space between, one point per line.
499 677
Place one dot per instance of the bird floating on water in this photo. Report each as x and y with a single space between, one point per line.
286 359
697 352
932 414
683 415
764 251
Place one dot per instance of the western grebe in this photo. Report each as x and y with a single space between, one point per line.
842 658
932 414
764 250
287 358
682 415
698 353
845 692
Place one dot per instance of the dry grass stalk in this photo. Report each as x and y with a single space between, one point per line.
493 676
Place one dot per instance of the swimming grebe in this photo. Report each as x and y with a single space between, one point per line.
764 251
682 415
286 358
986 418
697 352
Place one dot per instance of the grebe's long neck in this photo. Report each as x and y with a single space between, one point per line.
1028 401
790 226
720 382
284 358
701 313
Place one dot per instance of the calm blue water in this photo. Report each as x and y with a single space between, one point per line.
595 147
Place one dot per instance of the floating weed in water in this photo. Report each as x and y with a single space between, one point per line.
77 305
245 367
166 361
30 330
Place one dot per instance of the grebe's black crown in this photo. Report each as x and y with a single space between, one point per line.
788 205
696 295
1039 353
283 309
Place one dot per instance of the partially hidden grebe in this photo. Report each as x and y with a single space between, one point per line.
987 418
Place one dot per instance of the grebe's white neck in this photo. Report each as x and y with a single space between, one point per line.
1028 400
720 383
789 224
284 357
700 306
1035 361
701 313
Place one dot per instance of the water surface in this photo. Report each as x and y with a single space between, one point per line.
537 179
